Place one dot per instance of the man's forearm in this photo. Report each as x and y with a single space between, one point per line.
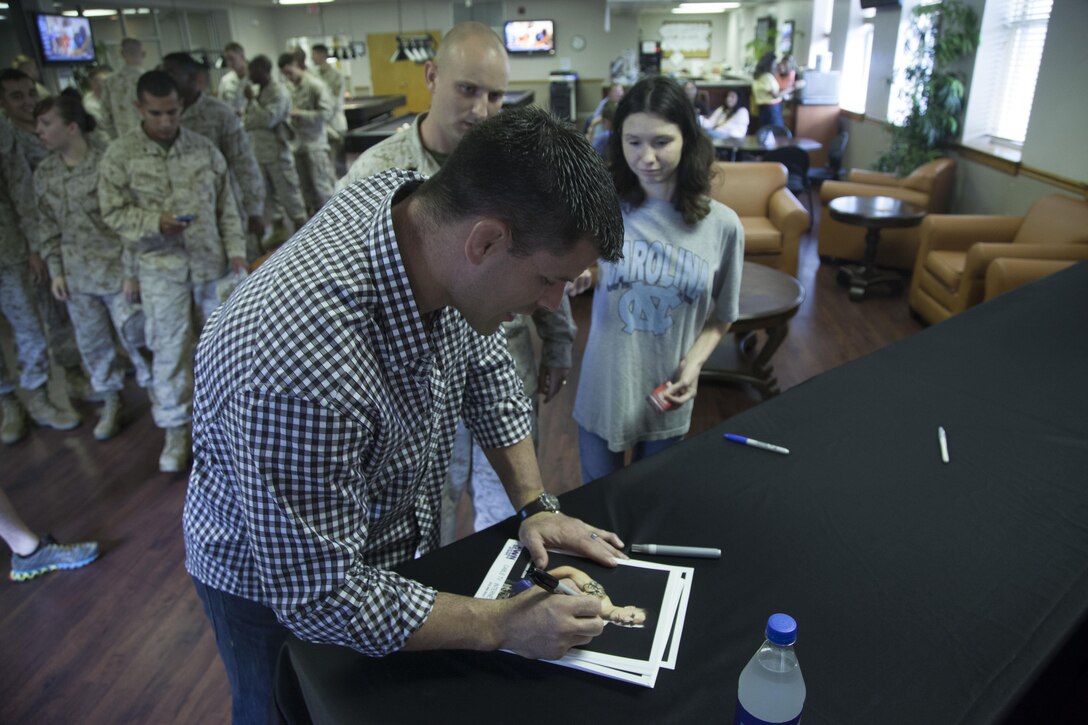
458 622
518 470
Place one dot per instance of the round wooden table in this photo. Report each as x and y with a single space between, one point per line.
768 299
874 213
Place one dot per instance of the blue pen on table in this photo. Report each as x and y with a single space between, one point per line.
756 444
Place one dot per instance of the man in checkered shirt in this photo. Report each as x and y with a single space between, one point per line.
328 389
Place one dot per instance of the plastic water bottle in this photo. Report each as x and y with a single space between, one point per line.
771 689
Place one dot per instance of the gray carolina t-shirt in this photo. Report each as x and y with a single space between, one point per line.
647 311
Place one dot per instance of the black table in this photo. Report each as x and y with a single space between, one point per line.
924 592
362 110
768 299
874 213
358 140
728 148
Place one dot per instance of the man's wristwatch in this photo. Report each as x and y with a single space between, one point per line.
543 502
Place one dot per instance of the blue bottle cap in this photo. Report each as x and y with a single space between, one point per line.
782 629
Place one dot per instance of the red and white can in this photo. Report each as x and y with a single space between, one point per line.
657 398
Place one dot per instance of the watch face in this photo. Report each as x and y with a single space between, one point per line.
549 502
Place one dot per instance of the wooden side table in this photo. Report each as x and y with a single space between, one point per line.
874 213
768 299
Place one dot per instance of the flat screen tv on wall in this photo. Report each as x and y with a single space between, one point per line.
530 37
866 4
65 39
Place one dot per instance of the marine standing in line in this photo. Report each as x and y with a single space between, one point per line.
85 256
214 120
311 109
233 83
16 197
266 117
166 191
338 124
18 96
119 91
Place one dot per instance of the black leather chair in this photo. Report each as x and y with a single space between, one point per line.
796 162
835 152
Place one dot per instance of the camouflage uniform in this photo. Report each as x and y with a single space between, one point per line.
232 91
338 124
54 315
405 150
118 101
312 99
335 83
17 194
214 120
266 121
139 180
402 150
78 246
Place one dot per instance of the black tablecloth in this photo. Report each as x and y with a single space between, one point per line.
923 592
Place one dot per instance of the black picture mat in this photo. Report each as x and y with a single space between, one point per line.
624 585
924 592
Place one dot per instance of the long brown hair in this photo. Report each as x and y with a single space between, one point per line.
665 98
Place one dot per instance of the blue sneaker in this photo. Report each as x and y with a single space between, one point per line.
52 556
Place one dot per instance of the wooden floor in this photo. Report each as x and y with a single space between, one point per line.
125 640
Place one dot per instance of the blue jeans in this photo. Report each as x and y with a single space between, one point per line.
771 115
598 461
249 638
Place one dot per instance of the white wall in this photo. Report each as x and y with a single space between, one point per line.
254 29
1055 139
732 30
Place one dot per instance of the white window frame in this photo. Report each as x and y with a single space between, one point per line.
1006 71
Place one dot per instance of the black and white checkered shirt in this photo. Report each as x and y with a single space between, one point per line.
323 421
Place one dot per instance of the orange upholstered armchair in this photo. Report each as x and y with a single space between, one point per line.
929 186
772 217
955 251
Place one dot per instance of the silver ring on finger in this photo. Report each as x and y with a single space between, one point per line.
594 535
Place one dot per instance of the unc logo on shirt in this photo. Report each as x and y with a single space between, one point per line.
659 278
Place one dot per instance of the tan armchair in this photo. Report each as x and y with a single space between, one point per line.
929 186
1004 275
955 251
772 217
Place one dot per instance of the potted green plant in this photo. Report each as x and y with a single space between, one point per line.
942 34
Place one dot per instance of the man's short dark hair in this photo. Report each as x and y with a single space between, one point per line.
286 59
233 47
321 48
261 62
537 173
13 75
185 62
156 83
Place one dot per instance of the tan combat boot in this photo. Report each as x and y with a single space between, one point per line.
14 426
44 413
175 454
78 387
109 423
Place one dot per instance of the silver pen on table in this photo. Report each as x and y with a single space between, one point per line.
942 438
698 552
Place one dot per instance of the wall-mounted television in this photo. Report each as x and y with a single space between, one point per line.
866 4
65 39
528 37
